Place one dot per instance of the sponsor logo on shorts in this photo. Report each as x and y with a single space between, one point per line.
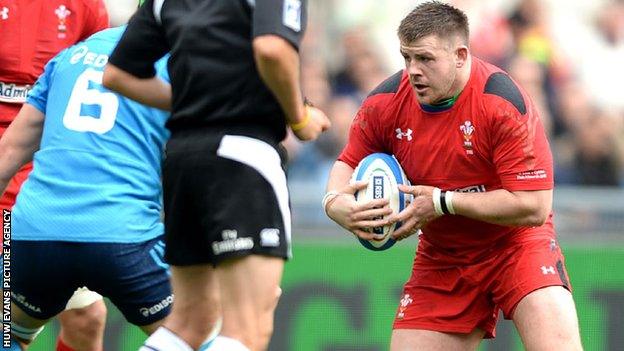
553 244
405 301
152 310
13 93
270 237
231 243
4 13
547 270
22 300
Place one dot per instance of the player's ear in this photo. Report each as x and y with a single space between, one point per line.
461 56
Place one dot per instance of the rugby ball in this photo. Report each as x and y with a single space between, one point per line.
383 173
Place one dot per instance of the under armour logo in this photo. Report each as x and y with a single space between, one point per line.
547 270
400 134
4 13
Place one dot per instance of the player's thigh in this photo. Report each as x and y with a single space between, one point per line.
427 340
250 289
39 288
23 319
534 316
133 276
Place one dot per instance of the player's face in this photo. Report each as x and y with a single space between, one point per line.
431 65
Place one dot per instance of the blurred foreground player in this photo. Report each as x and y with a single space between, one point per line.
235 80
479 154
92 203
32 33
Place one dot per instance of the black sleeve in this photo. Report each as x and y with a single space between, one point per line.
142 44
285 18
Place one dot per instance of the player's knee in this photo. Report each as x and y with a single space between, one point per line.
89 320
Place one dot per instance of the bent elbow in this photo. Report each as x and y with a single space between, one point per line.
270 48
537 217
111 77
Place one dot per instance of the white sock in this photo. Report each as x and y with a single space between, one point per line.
164 339
223 343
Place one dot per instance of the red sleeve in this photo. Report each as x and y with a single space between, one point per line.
96 19
364 137
521 152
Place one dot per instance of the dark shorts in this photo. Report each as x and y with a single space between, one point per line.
134 277
462 298
224 196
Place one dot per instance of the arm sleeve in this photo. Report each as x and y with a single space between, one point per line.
96 20
38 95
285 18
363 136
142 44
521 151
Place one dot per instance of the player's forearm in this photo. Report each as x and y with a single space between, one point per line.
339 176
278 65
19 142
521 208
148 91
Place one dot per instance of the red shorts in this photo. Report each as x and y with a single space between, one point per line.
460 298
8 198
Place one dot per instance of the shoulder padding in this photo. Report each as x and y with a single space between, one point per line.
390 85
500 84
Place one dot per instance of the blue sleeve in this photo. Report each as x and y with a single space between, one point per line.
38 95
161 68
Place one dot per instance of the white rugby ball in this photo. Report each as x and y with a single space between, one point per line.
383 173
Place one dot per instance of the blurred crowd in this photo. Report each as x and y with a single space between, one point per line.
567 55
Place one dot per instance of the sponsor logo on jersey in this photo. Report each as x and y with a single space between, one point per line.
152 310
62 12
467 130
405 301
400 134
13 93
472 189
292 14
4 13
269 237
231 242
535 174
22 300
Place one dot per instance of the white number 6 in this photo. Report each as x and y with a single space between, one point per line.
81 94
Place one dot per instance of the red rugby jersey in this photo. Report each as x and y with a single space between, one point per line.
491 138
31 33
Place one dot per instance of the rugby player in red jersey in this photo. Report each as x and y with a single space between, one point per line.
32 32
472 142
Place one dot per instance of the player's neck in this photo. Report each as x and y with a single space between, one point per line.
462 80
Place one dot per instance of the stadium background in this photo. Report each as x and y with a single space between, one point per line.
567 54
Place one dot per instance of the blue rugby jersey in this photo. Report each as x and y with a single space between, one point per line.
96 177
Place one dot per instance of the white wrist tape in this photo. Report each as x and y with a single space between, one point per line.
328 197
437 206
448 200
